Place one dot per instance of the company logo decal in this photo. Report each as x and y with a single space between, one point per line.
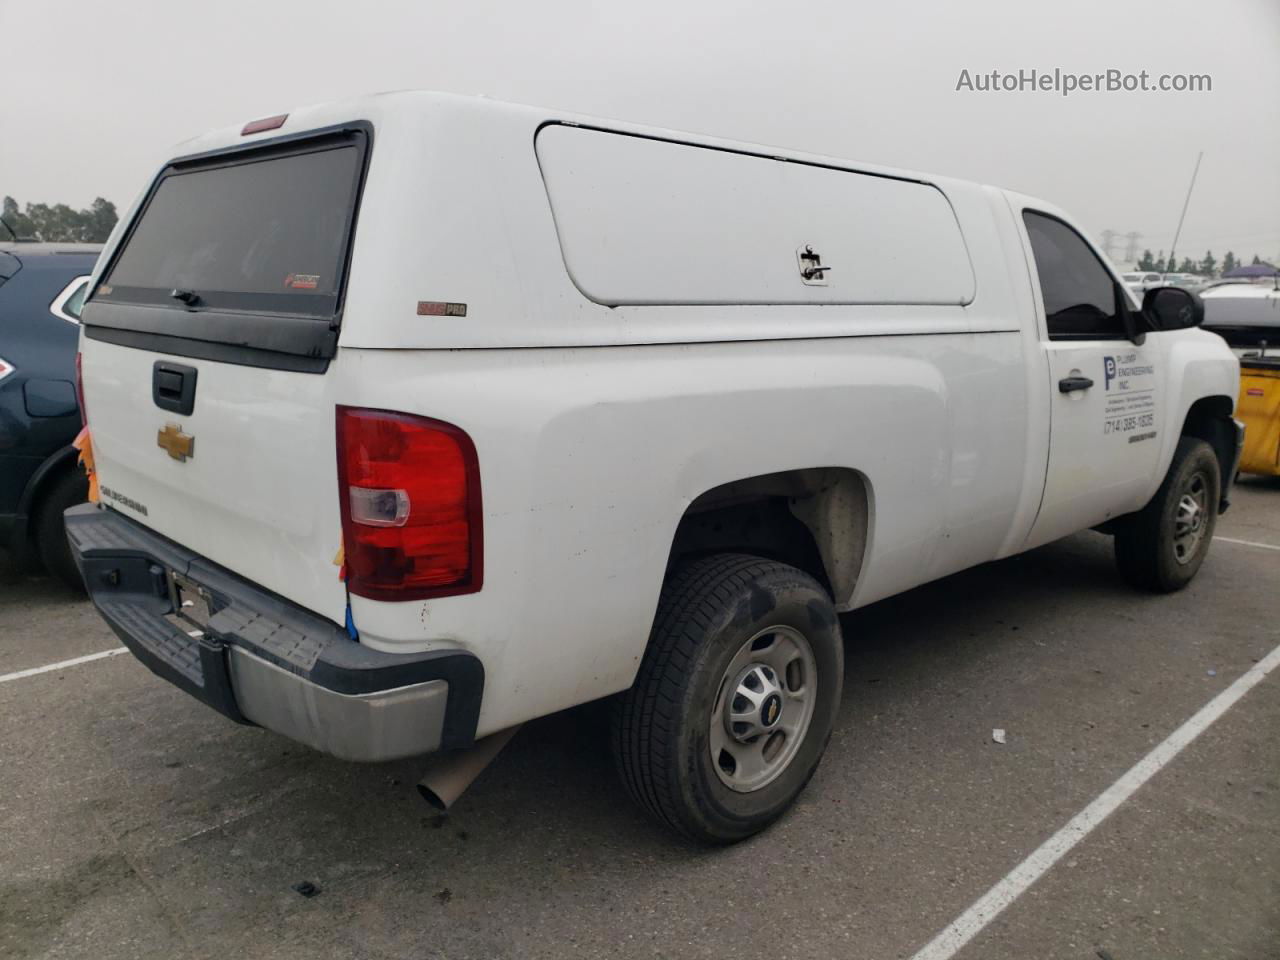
1129 381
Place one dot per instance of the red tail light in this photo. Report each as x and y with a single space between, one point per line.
84 411
409 489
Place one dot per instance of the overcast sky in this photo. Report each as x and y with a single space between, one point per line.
96 92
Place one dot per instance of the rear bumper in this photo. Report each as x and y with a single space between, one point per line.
265 661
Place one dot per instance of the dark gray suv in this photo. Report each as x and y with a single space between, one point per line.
41 288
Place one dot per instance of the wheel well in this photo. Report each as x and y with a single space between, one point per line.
1209 419
20 539
816 519
48 473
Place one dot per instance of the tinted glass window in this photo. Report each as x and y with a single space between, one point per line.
261 234
1080 297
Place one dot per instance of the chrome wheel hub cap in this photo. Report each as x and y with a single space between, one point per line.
1191 518
763 708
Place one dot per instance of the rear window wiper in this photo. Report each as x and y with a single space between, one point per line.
189 297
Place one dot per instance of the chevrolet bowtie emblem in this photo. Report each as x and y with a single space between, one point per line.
176 443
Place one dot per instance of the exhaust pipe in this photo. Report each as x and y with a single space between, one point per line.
449 776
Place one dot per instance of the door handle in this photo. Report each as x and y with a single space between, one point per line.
1072 384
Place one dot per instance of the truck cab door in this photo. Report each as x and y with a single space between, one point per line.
1106 391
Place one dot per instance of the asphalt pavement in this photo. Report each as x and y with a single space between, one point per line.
138 823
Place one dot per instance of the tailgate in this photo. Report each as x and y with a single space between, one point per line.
256 490
206 357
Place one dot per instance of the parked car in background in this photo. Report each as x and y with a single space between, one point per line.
1243 313
1187 281
42 286
1141 282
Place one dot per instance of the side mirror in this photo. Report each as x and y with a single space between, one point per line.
1172 308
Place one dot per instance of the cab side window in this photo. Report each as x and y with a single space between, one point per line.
1081 300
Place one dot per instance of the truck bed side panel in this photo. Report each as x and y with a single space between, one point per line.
590 456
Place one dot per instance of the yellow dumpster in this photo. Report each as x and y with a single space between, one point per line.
1259 409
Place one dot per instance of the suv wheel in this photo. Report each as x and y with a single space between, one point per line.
50 535
735 699
1161 547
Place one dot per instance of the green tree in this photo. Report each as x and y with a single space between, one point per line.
1159 266
1188 266
60 223
1257 261
101 220
1229 262
1147 262
52 222
18 222
1208 266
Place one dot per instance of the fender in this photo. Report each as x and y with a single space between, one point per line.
1199 370
53 464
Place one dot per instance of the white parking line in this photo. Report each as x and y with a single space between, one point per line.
65 663
988 906
1248 543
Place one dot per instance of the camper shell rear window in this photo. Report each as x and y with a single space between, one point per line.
247 247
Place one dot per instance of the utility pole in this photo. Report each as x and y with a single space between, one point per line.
1131 246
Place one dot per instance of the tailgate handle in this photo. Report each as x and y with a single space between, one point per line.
173 386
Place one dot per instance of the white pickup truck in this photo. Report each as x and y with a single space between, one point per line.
419 416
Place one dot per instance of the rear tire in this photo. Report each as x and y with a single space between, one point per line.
716 757
1161 547
67 491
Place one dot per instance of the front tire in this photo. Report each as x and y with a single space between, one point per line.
1161 547
735 698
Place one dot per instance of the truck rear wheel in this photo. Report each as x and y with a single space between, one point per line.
735 698
1161 547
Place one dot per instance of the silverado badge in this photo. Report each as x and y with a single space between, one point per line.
176 443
